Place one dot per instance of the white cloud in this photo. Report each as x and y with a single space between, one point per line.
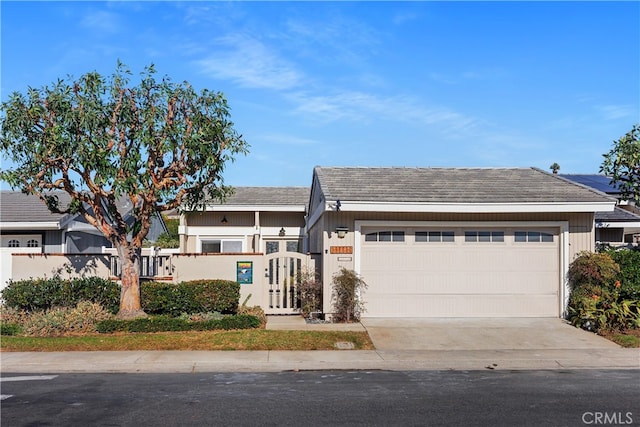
249 63
614 112
101 20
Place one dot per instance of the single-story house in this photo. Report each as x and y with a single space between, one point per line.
251 220
616 228
452 242
27 227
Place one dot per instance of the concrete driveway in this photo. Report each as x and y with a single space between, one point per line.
480 334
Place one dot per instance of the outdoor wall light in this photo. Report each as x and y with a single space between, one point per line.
282 232
224 219
342 231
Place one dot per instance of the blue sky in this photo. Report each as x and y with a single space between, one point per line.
449 84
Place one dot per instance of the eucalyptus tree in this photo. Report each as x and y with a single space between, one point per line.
156 145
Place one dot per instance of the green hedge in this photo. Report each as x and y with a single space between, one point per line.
629 276
44 294
197 296
166 323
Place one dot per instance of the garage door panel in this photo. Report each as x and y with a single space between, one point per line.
454 306
461 279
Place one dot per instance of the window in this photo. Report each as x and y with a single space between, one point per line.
33 243
533 236
221 246
272 246
435 236
385 236
484 236
13 243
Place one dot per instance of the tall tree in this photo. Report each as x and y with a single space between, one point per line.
622 164
157 145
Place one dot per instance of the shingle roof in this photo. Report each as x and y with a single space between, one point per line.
451 185
268 196
617 215
19 207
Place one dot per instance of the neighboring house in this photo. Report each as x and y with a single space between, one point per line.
620 227
440 242
251 220
25 221
28 227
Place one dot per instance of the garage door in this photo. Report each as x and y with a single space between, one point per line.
460 272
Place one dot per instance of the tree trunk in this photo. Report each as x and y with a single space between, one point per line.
130 293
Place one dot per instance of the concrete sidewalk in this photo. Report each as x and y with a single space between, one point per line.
403 357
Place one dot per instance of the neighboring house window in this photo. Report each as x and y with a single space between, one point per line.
385 236
533 236
435 236
33 243
221 246
14 243
484 236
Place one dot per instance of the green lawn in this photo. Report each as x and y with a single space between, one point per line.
249 339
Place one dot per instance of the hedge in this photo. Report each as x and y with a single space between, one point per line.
197 296
44 294
166 323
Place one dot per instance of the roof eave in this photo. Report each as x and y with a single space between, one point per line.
359 206
30 225
254 208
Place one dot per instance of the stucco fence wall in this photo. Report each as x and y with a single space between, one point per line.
19 266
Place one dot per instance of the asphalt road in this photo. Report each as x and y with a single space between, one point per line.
325 398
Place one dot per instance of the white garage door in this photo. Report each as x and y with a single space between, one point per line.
460 272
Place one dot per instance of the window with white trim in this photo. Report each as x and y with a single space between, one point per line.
435 236
484 236
385 236
218 246
532 237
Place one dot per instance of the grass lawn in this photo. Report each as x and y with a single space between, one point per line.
249 339
629 338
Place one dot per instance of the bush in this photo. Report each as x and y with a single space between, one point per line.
589 268
166 323
597 301
348 306
310 291
196 296
255 311
63 320
629 276
9 329
44 294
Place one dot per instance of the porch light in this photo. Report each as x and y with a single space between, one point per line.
224 219
282 232
342 231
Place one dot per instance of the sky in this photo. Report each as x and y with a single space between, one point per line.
409 84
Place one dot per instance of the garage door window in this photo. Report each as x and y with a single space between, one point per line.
484 236
435 236
533 236
385 236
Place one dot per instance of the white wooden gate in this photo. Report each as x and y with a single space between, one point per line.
282 273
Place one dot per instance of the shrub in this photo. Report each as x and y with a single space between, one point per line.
310 290
9 329
44 294
347 286
255 311
196 296
63 320
597 301
592 269
166 323
629 276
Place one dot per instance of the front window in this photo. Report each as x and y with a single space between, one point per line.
216 246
